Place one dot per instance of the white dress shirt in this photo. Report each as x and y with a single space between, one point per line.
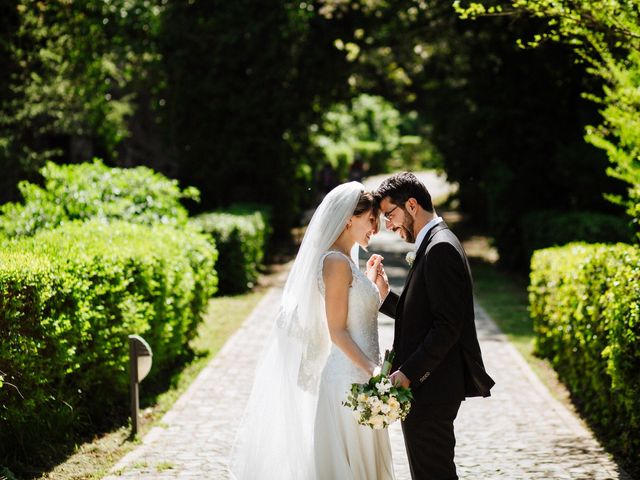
424 230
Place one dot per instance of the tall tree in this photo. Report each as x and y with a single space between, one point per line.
72 69
605 34
244 81
507 121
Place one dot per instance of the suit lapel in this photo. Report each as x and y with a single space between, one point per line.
419 255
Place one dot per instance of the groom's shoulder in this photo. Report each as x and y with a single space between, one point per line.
444 235
444 240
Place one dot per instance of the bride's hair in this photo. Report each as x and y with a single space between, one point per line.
365 204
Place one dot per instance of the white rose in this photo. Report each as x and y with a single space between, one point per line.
383 386
377 422
375 404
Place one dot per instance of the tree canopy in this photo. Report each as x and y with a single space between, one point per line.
233 98
605 34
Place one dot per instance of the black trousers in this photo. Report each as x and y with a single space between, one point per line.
430 441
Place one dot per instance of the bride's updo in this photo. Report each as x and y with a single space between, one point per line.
366 204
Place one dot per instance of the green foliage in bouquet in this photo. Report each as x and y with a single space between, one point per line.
93 190
241 235
69 298
378 403
585 306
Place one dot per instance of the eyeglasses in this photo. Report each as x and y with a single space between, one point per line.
387 216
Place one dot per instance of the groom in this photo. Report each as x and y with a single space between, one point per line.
435 341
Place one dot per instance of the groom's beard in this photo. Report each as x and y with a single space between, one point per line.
407 227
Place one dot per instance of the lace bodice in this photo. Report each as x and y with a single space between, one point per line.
362 324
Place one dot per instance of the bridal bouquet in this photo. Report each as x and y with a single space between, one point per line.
378 403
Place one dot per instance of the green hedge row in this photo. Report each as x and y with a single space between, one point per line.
585 305
241 235
69 298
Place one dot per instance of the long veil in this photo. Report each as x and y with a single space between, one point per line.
275 437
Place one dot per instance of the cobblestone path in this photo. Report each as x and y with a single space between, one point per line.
521 432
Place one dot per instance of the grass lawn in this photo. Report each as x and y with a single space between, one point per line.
504 296
93 460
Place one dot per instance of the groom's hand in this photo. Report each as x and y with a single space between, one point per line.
399 378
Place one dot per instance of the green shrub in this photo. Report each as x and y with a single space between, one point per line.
241 235
373 154
6 474
414 153
69 298
547 228
340 156
93 190
585 305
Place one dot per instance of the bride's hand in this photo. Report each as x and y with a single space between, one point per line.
382 282
374 267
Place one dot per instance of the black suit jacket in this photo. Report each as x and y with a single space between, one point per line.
435 338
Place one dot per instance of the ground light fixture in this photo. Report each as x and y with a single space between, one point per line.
140 359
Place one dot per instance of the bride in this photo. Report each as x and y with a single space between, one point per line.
324 339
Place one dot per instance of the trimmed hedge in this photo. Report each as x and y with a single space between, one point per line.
585 305
69 298
241 235
92 190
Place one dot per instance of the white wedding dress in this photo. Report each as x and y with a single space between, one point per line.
295 426
343 449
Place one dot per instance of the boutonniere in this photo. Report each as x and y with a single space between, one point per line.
411 257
